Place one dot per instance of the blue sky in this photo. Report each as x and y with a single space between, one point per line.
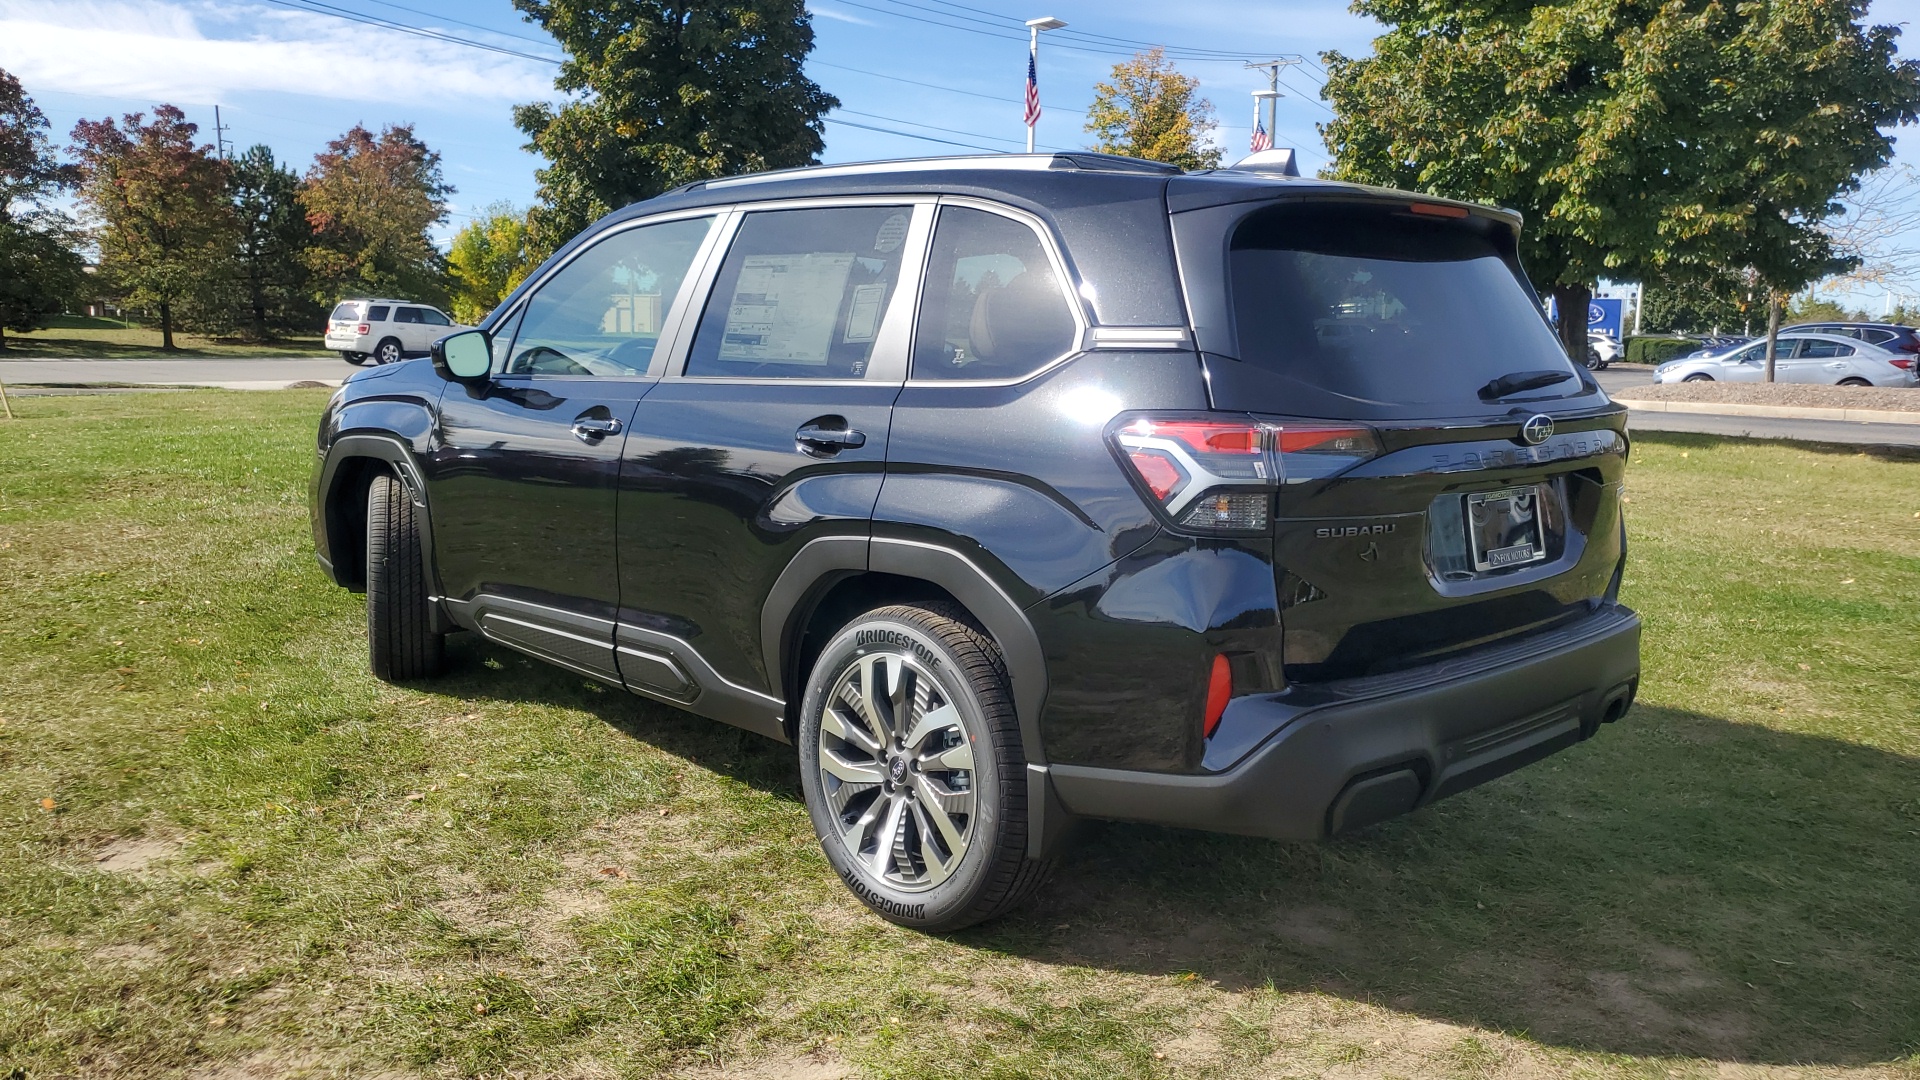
294 73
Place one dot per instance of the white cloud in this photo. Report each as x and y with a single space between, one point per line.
164 52
836 15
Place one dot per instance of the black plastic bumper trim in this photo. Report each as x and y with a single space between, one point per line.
1462 725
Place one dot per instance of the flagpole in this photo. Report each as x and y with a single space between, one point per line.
1034 26
1033 61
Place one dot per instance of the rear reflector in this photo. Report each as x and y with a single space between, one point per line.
1438 210
1219 692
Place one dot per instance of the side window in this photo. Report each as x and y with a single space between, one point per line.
433 318
1816 348
1875 336
377 313
801 294
407 315
1758 353
603 312
993 307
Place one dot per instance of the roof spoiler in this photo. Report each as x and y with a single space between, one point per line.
1278 161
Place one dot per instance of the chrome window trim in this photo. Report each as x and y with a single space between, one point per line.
654 365
1071 289
887 368
1141 337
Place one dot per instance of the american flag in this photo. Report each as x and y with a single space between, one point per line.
1033 93
1261 140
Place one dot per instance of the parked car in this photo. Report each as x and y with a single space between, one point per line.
1716 343
1890 336
1602 350
952 474
385 331
1798 358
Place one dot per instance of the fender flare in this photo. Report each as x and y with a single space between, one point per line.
825 560
394 452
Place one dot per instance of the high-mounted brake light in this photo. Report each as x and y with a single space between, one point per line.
1438 210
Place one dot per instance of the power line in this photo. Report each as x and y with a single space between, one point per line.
937 86
1106 38
315 7
461 22
935 127
1072 40
910 135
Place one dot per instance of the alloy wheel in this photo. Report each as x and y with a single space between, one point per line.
897 769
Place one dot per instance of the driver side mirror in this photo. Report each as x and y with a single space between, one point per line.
466 357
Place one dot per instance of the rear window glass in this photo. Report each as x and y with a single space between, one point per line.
1386 308
377 313
344 312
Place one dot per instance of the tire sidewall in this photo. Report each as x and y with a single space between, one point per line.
935 906
379 350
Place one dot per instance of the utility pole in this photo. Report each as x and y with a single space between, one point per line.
220 142
1273 95
1034 26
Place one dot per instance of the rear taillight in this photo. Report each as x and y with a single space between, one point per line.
363 328
1206 473
1903 362
1217 473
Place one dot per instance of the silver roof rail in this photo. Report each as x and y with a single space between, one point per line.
1088 161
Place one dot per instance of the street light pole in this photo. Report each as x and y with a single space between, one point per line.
1034 26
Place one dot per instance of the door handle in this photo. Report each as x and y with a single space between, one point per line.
594 428
824 441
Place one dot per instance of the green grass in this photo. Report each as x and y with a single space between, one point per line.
81 337
260 862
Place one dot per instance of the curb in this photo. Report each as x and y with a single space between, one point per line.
1859 416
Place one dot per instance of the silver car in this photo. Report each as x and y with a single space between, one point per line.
1799 358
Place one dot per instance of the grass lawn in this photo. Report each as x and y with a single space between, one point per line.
73 336
226 851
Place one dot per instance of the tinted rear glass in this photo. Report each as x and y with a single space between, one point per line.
345 312
1386 307
377 313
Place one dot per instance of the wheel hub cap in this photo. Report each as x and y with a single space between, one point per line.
897 770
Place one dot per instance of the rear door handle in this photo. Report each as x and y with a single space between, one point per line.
815 439
594 428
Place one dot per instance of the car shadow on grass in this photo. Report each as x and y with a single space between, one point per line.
1679 885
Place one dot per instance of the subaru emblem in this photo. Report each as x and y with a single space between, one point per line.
1537 429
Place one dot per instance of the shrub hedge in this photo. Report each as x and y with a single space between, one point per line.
1648 349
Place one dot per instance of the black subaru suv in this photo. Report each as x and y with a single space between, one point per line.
1016 491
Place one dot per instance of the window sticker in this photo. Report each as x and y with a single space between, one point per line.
863 311
892 232
784 308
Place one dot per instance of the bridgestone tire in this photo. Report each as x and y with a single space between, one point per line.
992 874
401 643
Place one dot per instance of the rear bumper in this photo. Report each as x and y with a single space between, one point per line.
1371 749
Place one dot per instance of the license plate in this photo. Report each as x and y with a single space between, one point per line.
1504 527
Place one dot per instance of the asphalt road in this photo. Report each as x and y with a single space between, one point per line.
269 373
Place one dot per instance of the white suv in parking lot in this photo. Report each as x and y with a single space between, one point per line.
387 331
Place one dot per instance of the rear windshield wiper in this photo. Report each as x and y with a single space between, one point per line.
1520 382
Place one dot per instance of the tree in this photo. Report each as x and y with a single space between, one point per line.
371 201
1152 111
1692 140
1693 308
39 269
488 258
664 92
158 205
274 236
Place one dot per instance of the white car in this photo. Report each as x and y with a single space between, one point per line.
1799 358
386 331
1601 351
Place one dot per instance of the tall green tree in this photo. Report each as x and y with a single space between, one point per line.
39 268
1150 110
372 201
488 258
157 202
274 236
664 92
1693 139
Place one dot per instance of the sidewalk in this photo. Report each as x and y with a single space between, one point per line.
1786 412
